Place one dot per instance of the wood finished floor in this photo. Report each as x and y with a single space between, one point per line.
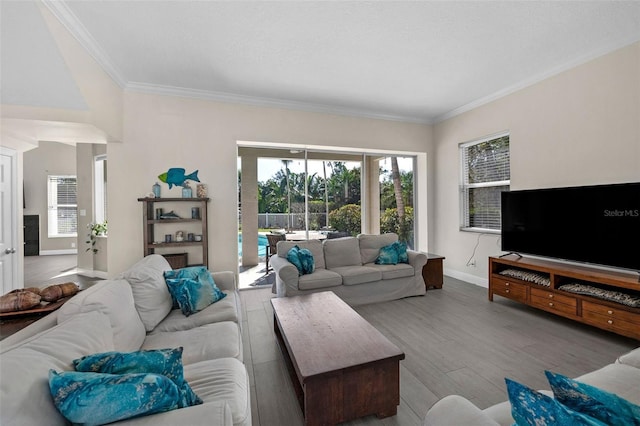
455 341
41 271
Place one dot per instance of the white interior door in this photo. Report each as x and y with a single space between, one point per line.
8 221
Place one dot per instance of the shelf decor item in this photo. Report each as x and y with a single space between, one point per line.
175 176
186 190
156 190
201 190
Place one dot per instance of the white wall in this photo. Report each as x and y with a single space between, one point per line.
162 132
581 127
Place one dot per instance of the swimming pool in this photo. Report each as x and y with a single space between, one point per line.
262 245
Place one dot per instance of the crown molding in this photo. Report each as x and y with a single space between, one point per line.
266 102
61 11
536 79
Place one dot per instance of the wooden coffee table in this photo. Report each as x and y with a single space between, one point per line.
341 367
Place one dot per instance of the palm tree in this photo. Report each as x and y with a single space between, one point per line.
326 195
397 189
286 168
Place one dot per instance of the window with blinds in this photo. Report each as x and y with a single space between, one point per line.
62 206
485 174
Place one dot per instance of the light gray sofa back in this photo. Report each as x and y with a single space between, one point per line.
370 245
342 252
314 246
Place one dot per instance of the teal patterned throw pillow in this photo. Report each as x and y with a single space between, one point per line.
307 261
167 362
401 248
302 259
192 289
594 402
97 398
529 407
294 258
388 255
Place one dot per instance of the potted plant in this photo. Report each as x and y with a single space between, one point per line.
95 230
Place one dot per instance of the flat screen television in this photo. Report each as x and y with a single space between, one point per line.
593 224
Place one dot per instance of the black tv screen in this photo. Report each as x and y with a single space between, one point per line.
594 224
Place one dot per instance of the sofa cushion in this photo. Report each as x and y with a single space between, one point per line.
390 272
620 379
529 407
223 310
388 255
225 380
353 275
166 362
370 245
100 398
210 341
150 293
630 358
114 299
25 397
321 278
592 401
314 246
342 252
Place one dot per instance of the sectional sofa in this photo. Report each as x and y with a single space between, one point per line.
621 378
347 267
128 314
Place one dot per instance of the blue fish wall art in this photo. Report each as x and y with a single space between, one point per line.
175 176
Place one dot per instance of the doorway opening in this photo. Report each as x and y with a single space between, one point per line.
317 194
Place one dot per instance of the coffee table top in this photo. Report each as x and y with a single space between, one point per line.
323 334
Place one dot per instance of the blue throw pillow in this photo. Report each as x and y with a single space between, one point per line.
388 255
167 362
293 256
198 273
594 402
306 260
97 398
401 248
529 407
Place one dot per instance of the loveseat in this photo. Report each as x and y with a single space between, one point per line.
347 267
131 313
621 378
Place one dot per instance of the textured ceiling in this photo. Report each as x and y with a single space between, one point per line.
416 61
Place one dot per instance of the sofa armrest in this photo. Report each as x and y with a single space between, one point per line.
212 413
456 410
417 259
225 280
286 275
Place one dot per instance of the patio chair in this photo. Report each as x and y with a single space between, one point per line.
272 247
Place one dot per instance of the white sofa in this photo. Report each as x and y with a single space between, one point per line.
128 314
621 377
346 267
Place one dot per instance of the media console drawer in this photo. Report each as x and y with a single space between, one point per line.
509 289
552 302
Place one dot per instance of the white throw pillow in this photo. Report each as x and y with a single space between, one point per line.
25 398
114 299
150 293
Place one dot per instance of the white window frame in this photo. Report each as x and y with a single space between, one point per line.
100 188
465 186
52 210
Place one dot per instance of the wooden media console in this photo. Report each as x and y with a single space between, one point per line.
532 288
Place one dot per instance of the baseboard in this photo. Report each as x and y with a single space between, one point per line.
481 282
57 252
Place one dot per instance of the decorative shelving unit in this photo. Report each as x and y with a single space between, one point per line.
153 225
